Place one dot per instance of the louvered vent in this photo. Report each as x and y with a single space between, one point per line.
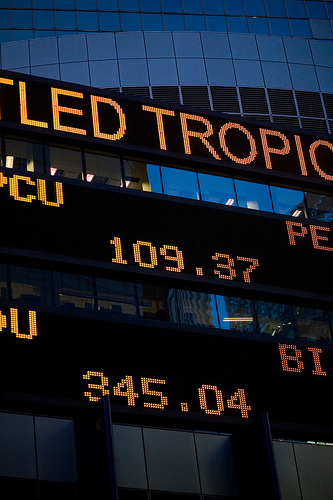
261 118
225 99
328 100
309 104
195 96
282 102
115 89
166 93
316 125
138 91
290 121
330 122
253 100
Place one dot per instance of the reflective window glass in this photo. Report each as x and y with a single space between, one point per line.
5 18
288 201
23 155
300 27
196 308
64 4
195 23
258 25
255 7
61 162
275 320
86 4
275 8
154 178
237 24
312 324
103 169
42 4
31 284
252 195
131 22
171 6
157 302
174 22
279 26
129 5
217 189
234 7
115 297
21 4
43 19
137 175
87 21
22 35
107 4
295 8
150 5
181 183
192 6
213 6
316 10
152 22
3 282
109 21
73 291
236 314
329 7
21 18
216 23
319 206
5 36
65 20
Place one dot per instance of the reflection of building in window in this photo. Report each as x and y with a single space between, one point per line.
320 206
312 324
236 314
195 308
275 319
136 176
24 155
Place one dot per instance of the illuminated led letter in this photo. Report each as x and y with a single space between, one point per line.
300 155
14 188
203 401
23 109
41 189
268 150
201 135
296 358
177 258
3 321
56 109
159 117
122 122
236 159
315 237
315 353
15 327
291 233
6 81
312 152
137 254
229 266
146 390
100 387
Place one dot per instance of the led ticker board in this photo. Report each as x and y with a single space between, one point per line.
129 231
162 370
86 113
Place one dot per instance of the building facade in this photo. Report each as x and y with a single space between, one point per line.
166 255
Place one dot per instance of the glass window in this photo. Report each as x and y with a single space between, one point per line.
43 19
103 169
275 8
86 4
21 4
275 320
31 284
22 35
157 302
237 24
329 7
138 175
152 22
234 7
65 20
21 18
288 201
174 22
73 291
115 297
213 6
131 22
300 27
5 36
279 27
61 162
154 178
258 25
64 4
23 155
255 7
217 189
3 282
87 21
236 314
181 183
129 5
192 6
171 6
5 19
195 23
107 4
312 324
319 206
150 5
216 23
252 195
196 308
109 21
295 8
316 10
42 4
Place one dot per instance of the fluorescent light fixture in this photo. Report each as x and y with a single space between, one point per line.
230 202
127 183
53 170
9 161
229 320
89 177
296 213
